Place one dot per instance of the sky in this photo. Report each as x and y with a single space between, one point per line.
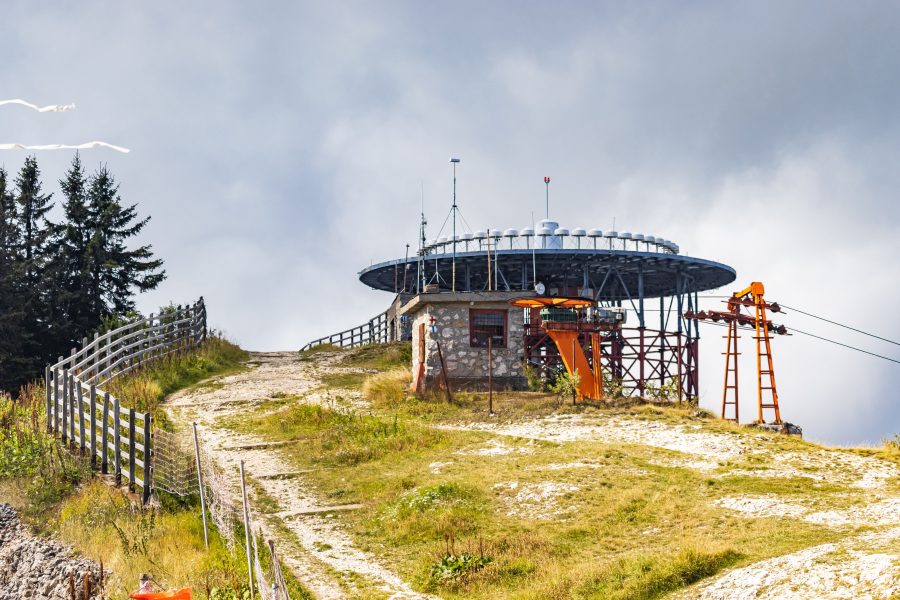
281 147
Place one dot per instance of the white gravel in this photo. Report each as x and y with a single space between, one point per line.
540 501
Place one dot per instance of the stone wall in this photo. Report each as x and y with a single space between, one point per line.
467 366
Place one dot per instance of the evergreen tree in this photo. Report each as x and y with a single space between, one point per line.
114 271
34 232
68 269
13 365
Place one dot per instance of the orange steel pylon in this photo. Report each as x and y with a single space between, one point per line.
767 392
731 368
763 340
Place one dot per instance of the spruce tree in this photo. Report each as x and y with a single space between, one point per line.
34 232
115 272
13 367
68 269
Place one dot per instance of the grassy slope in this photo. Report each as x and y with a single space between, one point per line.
57 495
637 529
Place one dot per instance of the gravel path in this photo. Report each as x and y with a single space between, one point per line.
320 552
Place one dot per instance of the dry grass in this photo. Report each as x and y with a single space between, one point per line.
388 389
102 524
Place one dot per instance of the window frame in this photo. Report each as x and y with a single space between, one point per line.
492 311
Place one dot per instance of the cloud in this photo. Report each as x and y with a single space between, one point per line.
281 149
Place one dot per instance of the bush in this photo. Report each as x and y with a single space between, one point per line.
453 568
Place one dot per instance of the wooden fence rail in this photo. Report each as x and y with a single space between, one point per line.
375 331
90 420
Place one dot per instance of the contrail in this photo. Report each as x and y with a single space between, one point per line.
65 147
51 108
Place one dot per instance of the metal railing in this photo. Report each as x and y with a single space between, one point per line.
375 331
91 420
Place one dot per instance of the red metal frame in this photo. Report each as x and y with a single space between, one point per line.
633 356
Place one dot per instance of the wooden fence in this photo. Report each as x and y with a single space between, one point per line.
375 331
86 418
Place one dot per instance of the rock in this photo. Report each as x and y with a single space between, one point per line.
32 567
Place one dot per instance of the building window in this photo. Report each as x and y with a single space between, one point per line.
485 325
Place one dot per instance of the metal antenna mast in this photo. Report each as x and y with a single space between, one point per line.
420 276
547 186
454 162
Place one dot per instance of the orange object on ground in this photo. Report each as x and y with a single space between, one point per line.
182 594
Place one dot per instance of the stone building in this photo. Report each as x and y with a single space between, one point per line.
461 324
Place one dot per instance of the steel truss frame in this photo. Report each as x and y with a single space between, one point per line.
639 357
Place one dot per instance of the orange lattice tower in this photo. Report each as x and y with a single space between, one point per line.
764 349
767 393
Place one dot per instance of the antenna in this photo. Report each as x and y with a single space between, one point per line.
547 186
420 278
454 162
533 257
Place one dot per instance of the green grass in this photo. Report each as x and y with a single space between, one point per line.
446 518
380 356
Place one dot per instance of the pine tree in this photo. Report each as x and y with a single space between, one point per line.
115 272
12 330
68 270
34 232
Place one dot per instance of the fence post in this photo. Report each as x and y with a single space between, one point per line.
130 449
203 307
65 403
200 482
178 327
148 453
71 410
93 425
151 336
247 527
47 386
117 442
96 361
104 436
80 397
56 397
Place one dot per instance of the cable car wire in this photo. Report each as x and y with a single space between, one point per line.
818 337
878 337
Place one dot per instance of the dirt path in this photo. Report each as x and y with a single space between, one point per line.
313 542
